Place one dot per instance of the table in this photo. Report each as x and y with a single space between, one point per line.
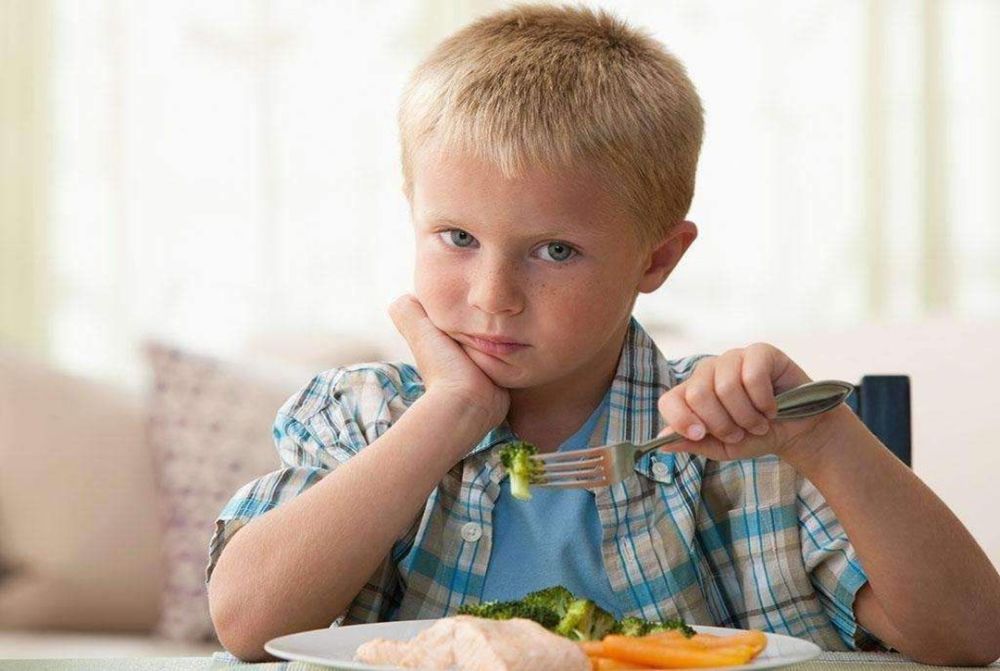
827 661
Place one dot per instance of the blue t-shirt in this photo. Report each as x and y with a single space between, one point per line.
553 539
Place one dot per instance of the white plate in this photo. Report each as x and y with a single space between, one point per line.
335 646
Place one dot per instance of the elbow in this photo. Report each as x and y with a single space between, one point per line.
240 640
952 652
235 632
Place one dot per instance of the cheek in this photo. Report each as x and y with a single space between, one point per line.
589 306
438 284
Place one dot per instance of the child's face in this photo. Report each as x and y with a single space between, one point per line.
547 260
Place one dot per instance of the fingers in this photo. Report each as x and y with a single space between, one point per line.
759 365
401 310
730 396
680 417
412 322
731 388
409 317
696 402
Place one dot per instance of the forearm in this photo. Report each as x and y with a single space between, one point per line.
933 581
300 565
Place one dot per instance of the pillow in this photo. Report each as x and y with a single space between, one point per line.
209 429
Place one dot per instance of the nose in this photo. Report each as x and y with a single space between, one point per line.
494 287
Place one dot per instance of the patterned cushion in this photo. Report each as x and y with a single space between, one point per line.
209 428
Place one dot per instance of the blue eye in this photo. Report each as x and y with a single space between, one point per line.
458 237
559 251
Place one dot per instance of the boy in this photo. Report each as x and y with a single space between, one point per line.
549 156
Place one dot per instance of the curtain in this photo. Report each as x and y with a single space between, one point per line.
25 58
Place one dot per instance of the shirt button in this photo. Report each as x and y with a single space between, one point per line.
471 532
660 469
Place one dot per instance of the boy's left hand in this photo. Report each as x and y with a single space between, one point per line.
726 408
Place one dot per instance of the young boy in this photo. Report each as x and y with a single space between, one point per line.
549 158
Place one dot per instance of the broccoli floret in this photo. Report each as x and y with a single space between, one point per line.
632 626
491 610
576 619
585 621
679 624
558 610
506 610
556 599
523 470
602 623
636 626
543 616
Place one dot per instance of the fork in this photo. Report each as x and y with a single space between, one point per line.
606 465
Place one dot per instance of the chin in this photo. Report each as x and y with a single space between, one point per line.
504 373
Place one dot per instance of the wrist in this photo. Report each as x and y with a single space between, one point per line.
812 450
466 419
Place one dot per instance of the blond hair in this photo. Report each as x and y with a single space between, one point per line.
563 87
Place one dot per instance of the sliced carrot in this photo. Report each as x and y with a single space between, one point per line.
669 634
592 647
756 640
665 655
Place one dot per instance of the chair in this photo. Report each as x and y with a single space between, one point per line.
883 404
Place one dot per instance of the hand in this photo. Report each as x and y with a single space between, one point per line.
444 365
726 408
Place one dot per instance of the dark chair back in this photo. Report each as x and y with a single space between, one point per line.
883 404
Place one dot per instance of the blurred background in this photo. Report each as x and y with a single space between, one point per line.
201 199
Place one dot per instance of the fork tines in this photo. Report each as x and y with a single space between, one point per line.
580 469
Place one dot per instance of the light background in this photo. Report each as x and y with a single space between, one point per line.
217 171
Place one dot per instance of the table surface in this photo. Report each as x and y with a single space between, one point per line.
827 661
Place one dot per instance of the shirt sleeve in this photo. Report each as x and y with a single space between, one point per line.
833 566
316 430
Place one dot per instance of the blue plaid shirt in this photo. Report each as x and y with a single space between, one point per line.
748 544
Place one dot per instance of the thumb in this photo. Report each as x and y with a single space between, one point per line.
679 444
707 446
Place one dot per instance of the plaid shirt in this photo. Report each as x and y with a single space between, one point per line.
748 544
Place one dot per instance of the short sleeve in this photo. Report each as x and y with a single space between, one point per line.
833 567
299 472
317 429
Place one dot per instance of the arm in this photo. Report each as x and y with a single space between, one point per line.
298 566
932 594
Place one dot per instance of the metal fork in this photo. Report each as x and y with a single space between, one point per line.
606 465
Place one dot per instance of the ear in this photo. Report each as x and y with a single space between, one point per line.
663 258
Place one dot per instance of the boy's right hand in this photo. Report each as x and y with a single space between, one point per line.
444 366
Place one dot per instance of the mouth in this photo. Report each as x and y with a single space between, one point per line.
494 345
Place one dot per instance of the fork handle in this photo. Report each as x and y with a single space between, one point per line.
806 400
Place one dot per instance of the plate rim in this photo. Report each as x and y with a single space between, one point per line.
352 665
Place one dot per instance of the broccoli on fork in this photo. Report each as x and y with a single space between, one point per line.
523 470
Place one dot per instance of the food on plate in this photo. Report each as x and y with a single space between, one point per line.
523 470
466 643
560 611
553 629
673 650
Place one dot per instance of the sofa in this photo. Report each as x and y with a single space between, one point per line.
107 494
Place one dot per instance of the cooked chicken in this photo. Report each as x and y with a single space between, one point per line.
466 643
